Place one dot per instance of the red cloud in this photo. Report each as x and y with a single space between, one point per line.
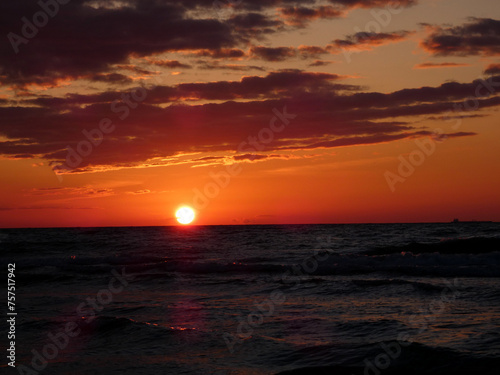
430 65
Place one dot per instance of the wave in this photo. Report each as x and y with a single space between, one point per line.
107 325
395 263
475 245
428 287
413 359
369 328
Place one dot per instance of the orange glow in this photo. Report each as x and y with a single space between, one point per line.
360 100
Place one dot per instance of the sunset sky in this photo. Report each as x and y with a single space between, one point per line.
116 113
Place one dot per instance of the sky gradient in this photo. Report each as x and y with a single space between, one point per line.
116 113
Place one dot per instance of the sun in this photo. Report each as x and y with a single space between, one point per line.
185 215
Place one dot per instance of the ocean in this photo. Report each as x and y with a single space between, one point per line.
268 299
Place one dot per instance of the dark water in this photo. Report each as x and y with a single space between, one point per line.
312 299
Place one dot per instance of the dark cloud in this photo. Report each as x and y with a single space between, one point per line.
259 5
123 42
223 53
363 40
210 158
273 54
172 64
250 157
300 16
253 24
320 63
374 3
152 135
86 38
369 139
311 52
275 84
492 69
261 157
80 191
140 192
481 36
277 54
135 69
430 65
82 40
110 78
234 67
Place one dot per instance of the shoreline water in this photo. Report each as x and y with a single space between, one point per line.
191 285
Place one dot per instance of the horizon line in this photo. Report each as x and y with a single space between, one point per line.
250 224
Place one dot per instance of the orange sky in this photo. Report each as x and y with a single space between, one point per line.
171 104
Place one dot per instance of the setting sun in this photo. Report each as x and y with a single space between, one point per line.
185 215
250 186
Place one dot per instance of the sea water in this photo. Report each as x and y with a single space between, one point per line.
312 299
